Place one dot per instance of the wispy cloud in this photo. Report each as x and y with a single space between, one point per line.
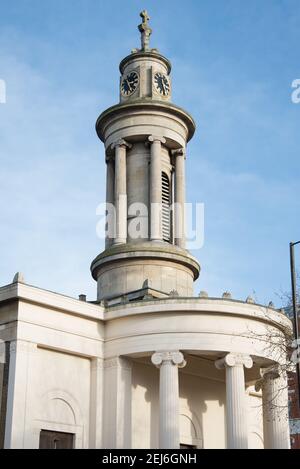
51 179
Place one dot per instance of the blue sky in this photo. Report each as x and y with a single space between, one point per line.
233 65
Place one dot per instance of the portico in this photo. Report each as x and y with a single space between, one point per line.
204 345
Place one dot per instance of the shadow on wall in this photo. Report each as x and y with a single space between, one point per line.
195 395
145 405
200 396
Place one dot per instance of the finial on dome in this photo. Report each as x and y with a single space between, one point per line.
145 30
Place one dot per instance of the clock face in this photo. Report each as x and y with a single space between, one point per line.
162 84
129 84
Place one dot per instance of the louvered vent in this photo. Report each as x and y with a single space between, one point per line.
166 202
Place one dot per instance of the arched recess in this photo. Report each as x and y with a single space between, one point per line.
60 412
190 428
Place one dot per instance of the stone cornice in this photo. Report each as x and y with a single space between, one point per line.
31 294
145 104
164 251
145 55
196 306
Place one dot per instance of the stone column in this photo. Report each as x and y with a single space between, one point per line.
110 217
179 156
274 388
156 188
120 191
168 364
236 410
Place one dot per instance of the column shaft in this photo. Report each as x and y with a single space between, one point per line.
110 217
275 410
236 410
237 431
180 198
169 411
120 193
168 362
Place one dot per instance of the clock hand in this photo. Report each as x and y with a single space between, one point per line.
128 84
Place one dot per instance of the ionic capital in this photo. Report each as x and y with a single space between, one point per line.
179 152
156 138
234 359
267 374
109 158
121 143
173 357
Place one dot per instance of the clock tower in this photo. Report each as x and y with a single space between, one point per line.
145 138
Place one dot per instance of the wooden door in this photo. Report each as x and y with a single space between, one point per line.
56 440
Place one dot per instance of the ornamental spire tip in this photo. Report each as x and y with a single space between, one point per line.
145 30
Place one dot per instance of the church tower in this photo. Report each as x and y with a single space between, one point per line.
147 365
145 138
